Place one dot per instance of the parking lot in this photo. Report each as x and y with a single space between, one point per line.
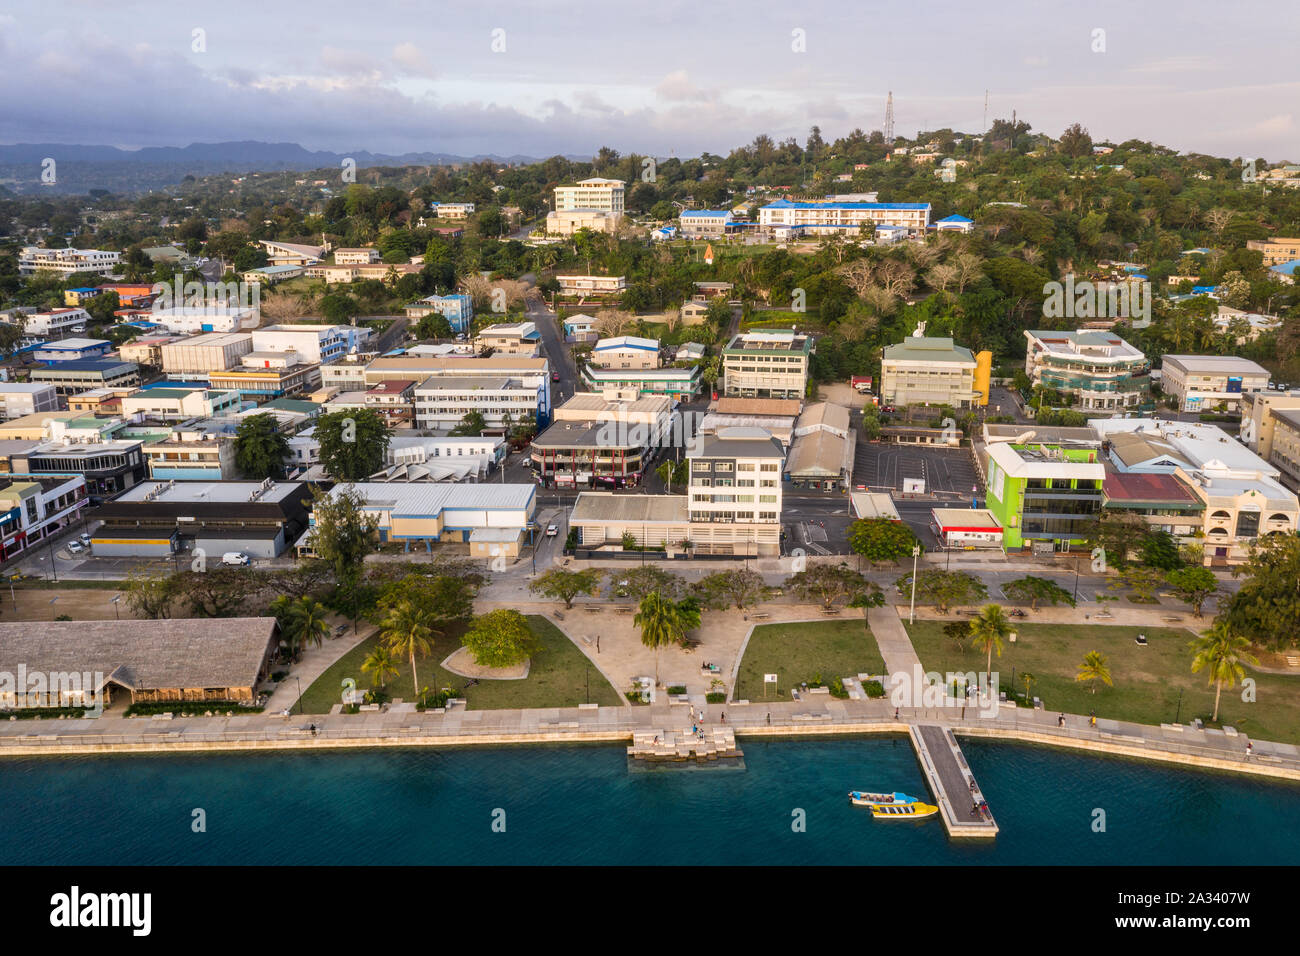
945 471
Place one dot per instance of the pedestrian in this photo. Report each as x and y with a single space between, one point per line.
692 711
769 718
701 716
724 716
1060 720
1249 748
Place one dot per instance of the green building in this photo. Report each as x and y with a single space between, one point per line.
1044 494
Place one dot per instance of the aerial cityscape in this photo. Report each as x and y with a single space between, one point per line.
748 467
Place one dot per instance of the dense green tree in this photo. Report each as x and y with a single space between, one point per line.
501 638
353 443
567 585
260 447
1032 590
1193 584
945 589
880 540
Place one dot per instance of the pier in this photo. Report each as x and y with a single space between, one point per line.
951 781
676 746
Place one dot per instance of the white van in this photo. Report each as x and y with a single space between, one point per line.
234 557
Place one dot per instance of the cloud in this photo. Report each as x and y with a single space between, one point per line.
677 87
413 60
347 61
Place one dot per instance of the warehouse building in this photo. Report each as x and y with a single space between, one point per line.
158 518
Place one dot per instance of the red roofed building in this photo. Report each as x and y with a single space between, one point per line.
1162 499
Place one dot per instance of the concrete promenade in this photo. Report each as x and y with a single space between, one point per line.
402 726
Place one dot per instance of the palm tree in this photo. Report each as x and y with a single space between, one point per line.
1221 653
306 621
987 631
381 664
658 619
1028 679
407 631
688 617
1094 668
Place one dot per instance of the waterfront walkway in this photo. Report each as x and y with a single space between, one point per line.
402 725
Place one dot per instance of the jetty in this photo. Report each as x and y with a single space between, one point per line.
679 746
951 781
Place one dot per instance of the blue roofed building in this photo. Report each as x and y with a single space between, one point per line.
711 223
785 217
955 223
1286 271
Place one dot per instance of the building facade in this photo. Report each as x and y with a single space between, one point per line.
1097 370
927 371
766 363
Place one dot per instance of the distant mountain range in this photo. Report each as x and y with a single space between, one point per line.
81 168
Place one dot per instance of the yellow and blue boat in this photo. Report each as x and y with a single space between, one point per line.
907 811
863 798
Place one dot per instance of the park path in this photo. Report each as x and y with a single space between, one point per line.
315 661
895 646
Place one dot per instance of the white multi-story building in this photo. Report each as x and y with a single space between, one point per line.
55 323
1205 381
1242 496
19 398
927 371
442 401
66 262
1098 370
315 344
766 363
823 218
594 193
189 320
591 285
452 210
625 351
356 257
203 354
734 495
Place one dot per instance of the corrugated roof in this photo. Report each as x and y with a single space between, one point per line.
607 506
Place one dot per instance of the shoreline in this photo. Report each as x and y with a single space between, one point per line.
1257 766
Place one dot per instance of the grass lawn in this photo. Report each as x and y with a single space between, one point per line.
1147 679
802 651
557 678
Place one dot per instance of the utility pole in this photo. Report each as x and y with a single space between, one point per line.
916 553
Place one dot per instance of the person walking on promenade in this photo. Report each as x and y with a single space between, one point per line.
769 718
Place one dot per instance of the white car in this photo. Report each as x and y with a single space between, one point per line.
551 531
76 547
234 558
84 538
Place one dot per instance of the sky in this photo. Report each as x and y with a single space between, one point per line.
660 77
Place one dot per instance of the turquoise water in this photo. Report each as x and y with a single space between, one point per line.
581 805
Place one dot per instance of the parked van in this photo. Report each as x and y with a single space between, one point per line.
235 558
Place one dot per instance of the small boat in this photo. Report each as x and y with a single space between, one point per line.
908 811
862 798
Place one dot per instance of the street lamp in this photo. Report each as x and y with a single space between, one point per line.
117 616
52 602
916 553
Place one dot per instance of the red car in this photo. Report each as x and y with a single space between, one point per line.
555 376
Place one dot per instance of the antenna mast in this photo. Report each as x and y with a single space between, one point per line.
889 119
